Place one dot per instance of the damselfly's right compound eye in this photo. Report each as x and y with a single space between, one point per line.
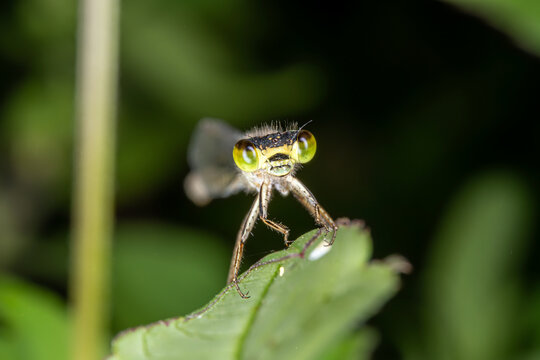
245 156
305 146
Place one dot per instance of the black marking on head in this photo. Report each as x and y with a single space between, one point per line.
279 156
274 140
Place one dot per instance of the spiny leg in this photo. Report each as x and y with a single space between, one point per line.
243 234
279 228
265 195
306 198
333 226
258 209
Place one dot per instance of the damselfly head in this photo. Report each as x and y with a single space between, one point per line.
276 153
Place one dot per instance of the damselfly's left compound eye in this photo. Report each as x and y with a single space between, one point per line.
245 156
305 146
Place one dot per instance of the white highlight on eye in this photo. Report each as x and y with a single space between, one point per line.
281 271
321 250
245 155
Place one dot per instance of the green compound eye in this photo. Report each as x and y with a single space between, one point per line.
245 156
306 146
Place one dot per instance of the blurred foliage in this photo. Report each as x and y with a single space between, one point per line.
479 251
153 265
517 18
177 271
34 322
276 321
410 102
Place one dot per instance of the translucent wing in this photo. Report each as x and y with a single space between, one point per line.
213 172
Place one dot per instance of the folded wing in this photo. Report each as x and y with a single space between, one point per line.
213 172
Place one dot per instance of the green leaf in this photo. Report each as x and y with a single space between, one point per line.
302 301
355 347
35 323
518 18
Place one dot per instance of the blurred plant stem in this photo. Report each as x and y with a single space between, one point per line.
94 164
